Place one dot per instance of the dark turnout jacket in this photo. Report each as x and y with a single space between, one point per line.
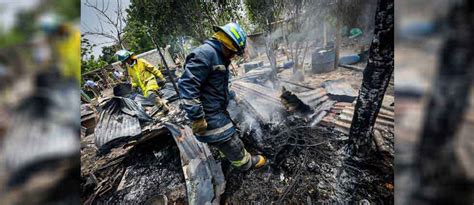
204 88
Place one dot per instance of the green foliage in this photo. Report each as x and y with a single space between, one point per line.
108 53
263 12
10 38
21 31
66 8
25 20
136 37
88 61
91 63
169 20
86 47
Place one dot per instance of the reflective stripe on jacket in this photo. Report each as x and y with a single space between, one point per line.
204 90
143 75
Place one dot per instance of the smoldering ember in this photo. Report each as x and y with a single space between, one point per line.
316 99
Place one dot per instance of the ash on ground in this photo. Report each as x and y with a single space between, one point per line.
151 172
312 165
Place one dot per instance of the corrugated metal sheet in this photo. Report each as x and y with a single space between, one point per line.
340 116
313 98
266 104
313 101
255 75
340 90
119 118
205 181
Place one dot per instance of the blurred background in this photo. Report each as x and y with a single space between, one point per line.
39 102
434 111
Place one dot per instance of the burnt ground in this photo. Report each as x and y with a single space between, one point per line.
148 172
311 165
305 164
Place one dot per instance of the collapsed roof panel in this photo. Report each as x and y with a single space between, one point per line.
342 113
118 118
315 103
204 178
340 90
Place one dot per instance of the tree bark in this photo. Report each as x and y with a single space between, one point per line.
441 179
337 44
375 80
270 50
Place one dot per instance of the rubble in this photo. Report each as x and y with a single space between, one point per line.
341 114
310 164
88 116
114 175
302 129
257 75
119 118
315 103
252 65
204 178
339 90
309 161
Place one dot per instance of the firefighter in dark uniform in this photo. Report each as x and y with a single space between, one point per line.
204 88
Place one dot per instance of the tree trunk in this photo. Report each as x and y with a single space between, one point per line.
337 44
325 35
441 179
270 50
375 80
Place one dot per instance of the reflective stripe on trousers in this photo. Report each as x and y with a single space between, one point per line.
219 130
234 150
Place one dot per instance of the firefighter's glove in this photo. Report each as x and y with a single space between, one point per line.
199 126
136 90
161 83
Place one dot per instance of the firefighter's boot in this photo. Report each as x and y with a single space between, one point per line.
234 150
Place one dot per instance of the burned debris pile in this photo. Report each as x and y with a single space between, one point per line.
309 161
148 172
302 130
311 165
133 158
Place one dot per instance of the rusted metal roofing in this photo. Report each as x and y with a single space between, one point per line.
340 116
